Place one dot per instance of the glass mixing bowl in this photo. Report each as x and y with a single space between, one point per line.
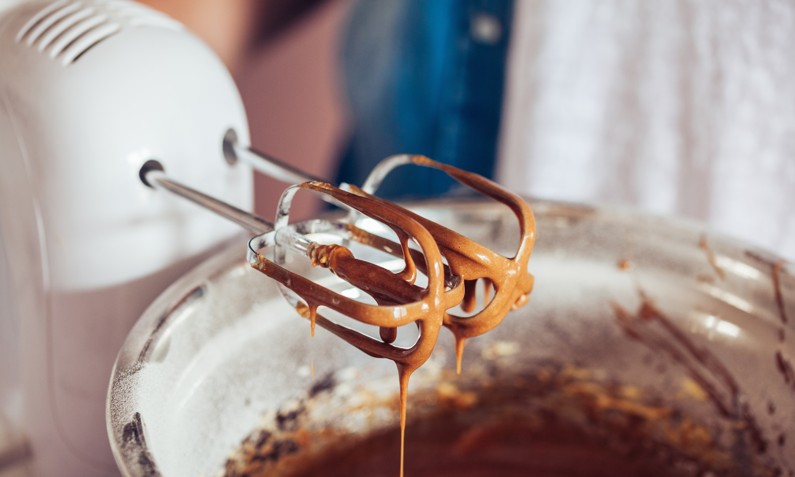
647 343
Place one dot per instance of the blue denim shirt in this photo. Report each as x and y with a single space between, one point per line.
424 77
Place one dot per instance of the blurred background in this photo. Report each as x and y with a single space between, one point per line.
291 91
678 108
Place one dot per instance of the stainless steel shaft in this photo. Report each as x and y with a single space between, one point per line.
153 174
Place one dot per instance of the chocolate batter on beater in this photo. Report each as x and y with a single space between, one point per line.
399 300
509 278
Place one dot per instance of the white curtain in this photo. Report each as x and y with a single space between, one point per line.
680 107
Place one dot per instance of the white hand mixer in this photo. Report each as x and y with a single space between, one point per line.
90 92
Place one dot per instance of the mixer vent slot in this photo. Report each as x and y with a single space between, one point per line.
66 30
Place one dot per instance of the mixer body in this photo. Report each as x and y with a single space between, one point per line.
89 90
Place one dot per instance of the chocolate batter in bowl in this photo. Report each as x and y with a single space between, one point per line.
649 347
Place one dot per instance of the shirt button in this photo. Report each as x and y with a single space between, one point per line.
486 28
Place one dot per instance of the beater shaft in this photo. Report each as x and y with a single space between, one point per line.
264 163
153 175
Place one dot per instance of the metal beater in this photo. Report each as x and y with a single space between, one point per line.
450 282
